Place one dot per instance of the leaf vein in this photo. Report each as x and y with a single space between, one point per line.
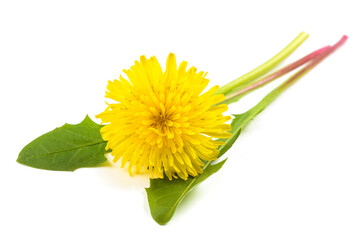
65 150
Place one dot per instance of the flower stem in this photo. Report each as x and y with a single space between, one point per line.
264 68
229 99
277 91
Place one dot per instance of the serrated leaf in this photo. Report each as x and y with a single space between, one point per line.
66 148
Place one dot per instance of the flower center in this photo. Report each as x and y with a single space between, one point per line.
162 123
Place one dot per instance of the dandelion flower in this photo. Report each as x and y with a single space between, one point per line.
161 121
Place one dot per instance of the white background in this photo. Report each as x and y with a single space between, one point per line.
294 173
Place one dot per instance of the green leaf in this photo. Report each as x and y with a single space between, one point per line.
66 148
164 195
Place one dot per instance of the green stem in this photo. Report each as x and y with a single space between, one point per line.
264 68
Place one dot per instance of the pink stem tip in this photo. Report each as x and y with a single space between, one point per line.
317 60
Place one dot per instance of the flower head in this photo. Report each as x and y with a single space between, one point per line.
162 122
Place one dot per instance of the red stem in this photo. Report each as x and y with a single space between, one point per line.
317 60
280 73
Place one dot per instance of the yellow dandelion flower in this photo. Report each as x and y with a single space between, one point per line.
162 122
